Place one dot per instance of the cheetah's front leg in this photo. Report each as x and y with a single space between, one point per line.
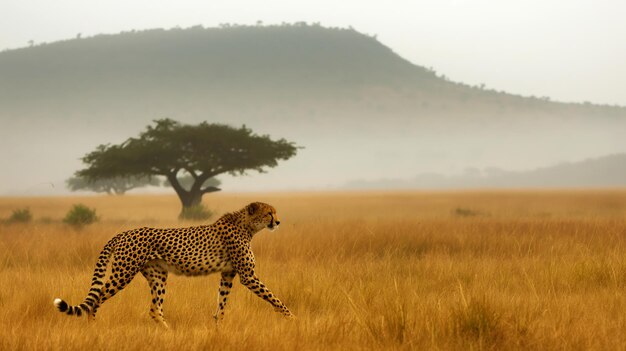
225 285
256 286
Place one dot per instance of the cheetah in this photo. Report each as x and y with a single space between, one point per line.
223 246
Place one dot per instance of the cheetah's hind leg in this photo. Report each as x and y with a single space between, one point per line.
156 275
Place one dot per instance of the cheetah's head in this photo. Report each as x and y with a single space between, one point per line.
262 215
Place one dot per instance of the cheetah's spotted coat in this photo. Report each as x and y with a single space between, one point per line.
223 246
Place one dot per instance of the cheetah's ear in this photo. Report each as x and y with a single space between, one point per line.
252 208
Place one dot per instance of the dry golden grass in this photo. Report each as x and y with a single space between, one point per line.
445 270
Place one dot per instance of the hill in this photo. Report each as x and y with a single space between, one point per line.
607 171
283 58
357 107
286 64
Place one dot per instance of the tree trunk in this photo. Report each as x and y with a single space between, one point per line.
192 197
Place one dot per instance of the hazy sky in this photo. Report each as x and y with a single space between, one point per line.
569 50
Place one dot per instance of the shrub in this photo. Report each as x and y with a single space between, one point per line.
195 213
465 212
21 216
80 215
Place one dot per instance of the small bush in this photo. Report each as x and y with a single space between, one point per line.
465 212
195 213
80 215
20 216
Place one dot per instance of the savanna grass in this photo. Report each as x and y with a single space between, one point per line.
526 271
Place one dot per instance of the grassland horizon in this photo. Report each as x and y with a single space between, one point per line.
501 270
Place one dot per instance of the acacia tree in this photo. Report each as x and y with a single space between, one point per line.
175 151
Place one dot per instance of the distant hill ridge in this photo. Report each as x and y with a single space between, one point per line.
606 171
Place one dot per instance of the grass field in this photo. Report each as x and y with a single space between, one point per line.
444 270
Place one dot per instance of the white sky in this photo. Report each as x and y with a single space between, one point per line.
569 50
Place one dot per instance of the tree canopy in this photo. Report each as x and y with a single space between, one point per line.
120 185
175 151
116 185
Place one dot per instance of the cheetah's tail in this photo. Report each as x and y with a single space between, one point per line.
93 296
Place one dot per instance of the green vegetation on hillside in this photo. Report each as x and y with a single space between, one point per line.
197 58
294 59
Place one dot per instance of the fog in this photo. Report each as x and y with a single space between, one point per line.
366 104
